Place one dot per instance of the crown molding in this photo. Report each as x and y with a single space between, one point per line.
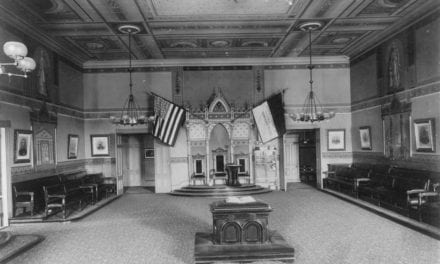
30 30
364 45
215 62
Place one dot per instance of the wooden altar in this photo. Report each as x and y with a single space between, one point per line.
240 234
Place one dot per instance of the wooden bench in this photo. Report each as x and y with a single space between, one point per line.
346 177
397 189
406 191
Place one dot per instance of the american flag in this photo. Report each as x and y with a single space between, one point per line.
168 118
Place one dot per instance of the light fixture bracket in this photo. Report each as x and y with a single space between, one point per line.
17 51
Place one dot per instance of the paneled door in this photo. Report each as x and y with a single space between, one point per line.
291 158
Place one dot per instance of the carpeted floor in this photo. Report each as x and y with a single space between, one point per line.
159 228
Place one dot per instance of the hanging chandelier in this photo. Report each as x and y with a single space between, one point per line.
17 51
312 110
131 114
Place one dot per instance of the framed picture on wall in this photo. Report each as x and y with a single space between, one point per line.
336 139
365 136
148 153
72 146
100 145
22 146
424 135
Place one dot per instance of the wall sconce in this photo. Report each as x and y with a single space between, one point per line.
17 51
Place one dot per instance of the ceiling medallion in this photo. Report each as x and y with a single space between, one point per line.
310 26
129 29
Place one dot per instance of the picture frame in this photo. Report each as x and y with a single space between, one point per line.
365 137
424 133
335 139
148 153
22 146
72 146
99 145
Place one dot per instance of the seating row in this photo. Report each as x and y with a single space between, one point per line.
60 191
399 189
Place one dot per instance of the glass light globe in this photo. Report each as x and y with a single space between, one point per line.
15 50
26 64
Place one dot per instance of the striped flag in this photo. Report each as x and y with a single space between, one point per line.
168 118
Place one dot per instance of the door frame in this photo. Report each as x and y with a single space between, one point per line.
317 149
5 183
287 135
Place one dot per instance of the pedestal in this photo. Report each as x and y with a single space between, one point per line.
240 234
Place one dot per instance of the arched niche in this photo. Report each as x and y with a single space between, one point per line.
231 233
219 144
253 232
219 105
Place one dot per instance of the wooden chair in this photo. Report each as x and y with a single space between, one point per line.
198 177
23 200
218 176
246 176
108 186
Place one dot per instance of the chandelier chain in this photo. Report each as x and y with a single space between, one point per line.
312 110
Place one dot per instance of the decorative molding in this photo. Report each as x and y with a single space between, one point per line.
16 98
218 68
402 95
18 170
303 66
134 68
417 161
337 154
215 62
32 31
101 161
429 158
374 157
241 142
24 173
200 143
421 12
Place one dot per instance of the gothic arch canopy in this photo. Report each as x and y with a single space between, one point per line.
219 104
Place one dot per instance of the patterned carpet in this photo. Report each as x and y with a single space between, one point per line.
159 228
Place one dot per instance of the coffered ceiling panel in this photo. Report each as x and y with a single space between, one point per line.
84 30
220 7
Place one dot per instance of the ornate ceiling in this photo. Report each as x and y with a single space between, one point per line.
87 30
